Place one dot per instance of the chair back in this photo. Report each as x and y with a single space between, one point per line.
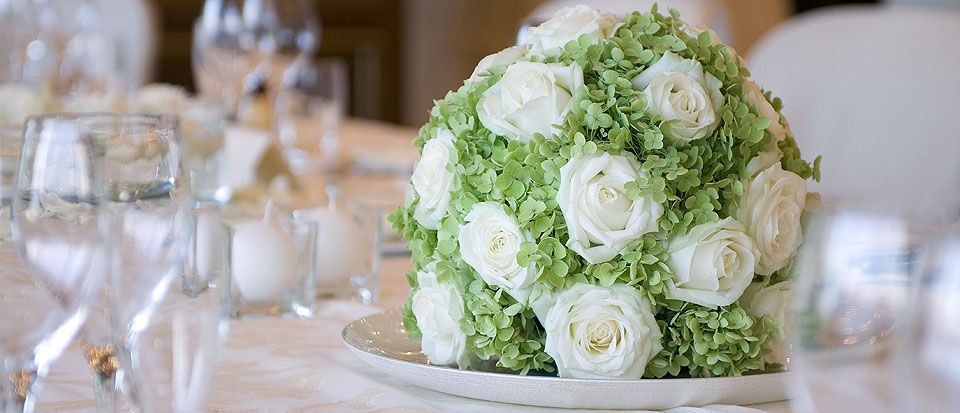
875 90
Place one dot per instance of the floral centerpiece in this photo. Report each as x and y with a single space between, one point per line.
613 199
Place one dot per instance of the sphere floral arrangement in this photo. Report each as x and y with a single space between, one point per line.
615 199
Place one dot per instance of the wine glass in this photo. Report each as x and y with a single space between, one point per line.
11 139
931 362
67 50
234 39
55 225
182 343
855 274
287 30
96 342
17 26
144 211
309 110
223 51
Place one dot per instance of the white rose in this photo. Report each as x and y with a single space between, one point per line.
600 218
601 332
530 98
771 208
712 264
568 24
432 180
504 57
489 242
19 103
770 155
438 308
773 301
160 98
682 94
753 95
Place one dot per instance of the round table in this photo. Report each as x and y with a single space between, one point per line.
289 365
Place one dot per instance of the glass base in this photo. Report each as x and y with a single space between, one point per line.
288 310
366 296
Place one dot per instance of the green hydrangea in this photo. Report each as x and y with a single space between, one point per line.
696 182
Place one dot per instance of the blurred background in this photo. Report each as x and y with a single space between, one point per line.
312 104
402 54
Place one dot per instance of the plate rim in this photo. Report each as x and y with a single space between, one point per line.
511 376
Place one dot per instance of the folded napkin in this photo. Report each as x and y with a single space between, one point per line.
252 158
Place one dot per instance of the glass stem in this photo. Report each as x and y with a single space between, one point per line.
126 376
18 388
103 360
106 391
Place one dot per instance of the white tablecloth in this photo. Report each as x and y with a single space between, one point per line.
287 365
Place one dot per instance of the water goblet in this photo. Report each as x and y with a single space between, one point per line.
223 50
855 274
931 356
144 209
309 110
179 349
55 225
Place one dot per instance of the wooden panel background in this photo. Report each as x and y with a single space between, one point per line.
366 33
402 54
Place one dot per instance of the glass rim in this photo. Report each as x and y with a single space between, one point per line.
159 117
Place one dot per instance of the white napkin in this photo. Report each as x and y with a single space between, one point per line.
243 148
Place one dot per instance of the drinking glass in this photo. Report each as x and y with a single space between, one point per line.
180 347
855 274
97 344
203 123
57 230
224 51
146 215
931 360
310 108
11 139
67 49
290 30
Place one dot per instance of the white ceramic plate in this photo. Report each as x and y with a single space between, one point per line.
380 341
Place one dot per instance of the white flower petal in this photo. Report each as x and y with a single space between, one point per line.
504 57
596 232
681 93
438 308
771 208
568 24
530 98
601 332
700 274
432 181
489 242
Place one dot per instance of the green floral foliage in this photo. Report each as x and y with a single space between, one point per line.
699 342
696 182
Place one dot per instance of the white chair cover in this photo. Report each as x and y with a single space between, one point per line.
925 3
876 91
699 12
